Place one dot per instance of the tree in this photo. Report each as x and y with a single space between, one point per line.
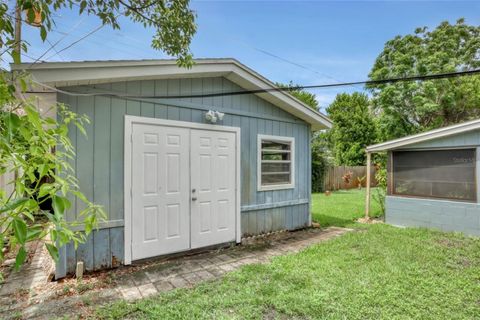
353 128
306 97
321 159
410 107
320 151
173 21
37 150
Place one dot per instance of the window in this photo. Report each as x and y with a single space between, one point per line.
447 174
276 157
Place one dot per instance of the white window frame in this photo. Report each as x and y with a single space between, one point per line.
280 139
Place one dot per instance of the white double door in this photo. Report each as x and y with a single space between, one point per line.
183 189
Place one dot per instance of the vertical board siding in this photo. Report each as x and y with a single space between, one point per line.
116 246
71 103
85 152
101 250
117 113
276 219
85 252
99 156
101 151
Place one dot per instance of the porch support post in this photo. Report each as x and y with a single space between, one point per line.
367 197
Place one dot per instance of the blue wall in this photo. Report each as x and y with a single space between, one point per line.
439 214
444 215
99 161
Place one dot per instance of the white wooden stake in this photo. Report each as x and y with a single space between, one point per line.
79 270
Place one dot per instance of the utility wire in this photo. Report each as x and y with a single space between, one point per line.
56 51
276 89
85 36
104 42
52 46
273 55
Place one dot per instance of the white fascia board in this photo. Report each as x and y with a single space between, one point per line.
93 72
425 136
250 80
63 75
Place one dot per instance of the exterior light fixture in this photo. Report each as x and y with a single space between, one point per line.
212 116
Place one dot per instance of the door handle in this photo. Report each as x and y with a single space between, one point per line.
194 198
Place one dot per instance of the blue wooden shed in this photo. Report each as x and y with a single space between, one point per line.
433 179
181 158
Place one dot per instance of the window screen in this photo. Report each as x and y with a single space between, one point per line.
276 162
448 174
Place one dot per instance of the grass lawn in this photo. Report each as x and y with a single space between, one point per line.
342 207
376 271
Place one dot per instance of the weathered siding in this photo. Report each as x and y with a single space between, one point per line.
444 215
289 217
99 160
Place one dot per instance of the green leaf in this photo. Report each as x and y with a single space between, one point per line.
34 233
2 244
12 205
20 259
45 189
33 116
23 84
42 170
52 250
13 122
59 205
15 56
43 33
79 195
29 215
20 230
30 15
83 4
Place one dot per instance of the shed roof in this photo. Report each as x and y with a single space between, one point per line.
62 74
426 136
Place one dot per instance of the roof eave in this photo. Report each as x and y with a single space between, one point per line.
89 72
425 136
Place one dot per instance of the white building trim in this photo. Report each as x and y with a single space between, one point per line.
425 136
63 74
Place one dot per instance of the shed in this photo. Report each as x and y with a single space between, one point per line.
171 179
433 179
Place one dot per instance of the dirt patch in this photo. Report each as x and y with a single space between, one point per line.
8 263
370 220
273 314
450 243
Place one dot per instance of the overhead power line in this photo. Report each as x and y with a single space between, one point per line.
273 55
276 89
52 46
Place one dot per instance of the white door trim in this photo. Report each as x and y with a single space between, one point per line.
129 121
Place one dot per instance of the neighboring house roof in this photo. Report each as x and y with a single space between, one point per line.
61 74
425 136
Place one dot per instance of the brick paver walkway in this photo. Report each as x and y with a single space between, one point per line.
192 270
162 275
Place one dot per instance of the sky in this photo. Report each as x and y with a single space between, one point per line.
306 42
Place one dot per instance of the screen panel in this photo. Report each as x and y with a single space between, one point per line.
447 174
